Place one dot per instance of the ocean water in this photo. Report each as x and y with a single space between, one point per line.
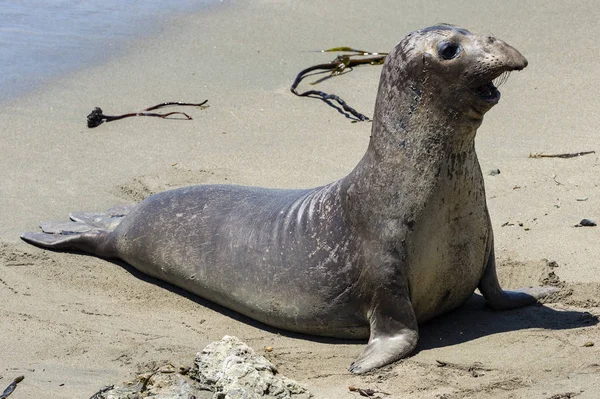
42 39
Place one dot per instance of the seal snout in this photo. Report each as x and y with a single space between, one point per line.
517 61
513 59
523 64
507 59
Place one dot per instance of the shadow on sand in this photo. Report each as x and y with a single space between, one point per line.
474 320
471 321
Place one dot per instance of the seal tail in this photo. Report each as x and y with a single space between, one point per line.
87 232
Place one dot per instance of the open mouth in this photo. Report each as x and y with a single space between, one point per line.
489 92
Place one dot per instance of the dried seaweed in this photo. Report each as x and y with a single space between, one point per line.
476 369
99 394
97 117
564 155
342 63
366 392
11 387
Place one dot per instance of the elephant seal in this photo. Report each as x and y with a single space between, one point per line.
404 237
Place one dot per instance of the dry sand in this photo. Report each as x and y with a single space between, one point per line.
73 323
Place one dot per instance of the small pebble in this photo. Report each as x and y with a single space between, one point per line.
588 344
586 223
494 172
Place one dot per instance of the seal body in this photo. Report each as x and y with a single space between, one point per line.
404 237
283 257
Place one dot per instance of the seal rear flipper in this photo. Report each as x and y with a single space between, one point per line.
95 241
65 228
108 220
52 240
88 232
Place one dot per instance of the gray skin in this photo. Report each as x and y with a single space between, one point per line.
404 237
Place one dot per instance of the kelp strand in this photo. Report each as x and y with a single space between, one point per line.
342 63
97 117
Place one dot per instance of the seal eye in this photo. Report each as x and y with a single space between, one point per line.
449 50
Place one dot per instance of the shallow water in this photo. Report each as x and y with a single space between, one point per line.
42 39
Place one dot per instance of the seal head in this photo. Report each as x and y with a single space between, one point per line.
465 65
445 68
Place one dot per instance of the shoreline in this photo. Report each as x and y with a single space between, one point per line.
48 44
85 322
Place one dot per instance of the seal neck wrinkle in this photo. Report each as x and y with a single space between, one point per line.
412 174
414 135
416 139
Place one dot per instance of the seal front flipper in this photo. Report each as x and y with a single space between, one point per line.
497 298
394 331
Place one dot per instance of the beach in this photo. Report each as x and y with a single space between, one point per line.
75 323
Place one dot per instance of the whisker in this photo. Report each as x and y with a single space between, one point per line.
496 82
500 80
506 77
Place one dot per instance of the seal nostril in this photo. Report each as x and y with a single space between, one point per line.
491 39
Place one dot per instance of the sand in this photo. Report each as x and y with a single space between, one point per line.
74 323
